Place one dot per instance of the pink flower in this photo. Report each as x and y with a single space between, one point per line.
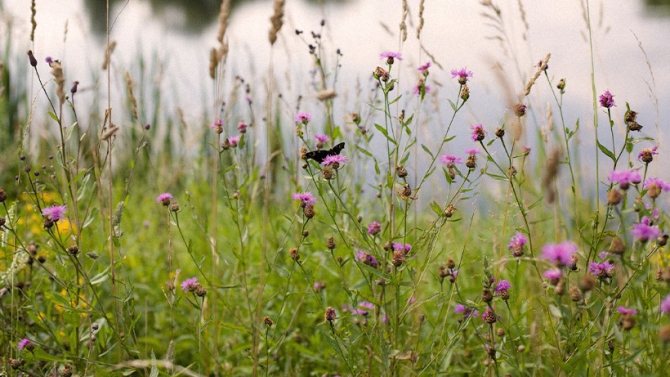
164 198
367 259
23 344
321 138
655 186
374 228
644 230
560 254
419 87
626 311
190 284
646 155
607 100
399 246
390 55
54 213
462 74
625 177
334 159
466 311
303 117
553 275
472 151
242 127
517 243
306 198
424 67
503 286
601 270
233 141
363 308
478 133
665 305
450 160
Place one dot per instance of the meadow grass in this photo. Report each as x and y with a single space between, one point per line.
259 255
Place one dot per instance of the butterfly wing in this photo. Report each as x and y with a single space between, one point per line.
319 155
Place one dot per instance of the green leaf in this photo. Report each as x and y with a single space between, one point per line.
436 208
383 132
425 148
606 151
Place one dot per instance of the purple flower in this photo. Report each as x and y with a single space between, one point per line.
49 60
646 155
601 270
424 67
54 213
190 284
466 311
503 286
217 125
489 316
374 228
607 99
242 127
390 55
472 152
399 246
478 133
364 308
306 198
625 177
665 305
560 254
334 159
23 343
450 160
233 141
655 186
303 117
644 230
366 258
517 243
321 138
462 74
626 311
418 87
554 275
164 198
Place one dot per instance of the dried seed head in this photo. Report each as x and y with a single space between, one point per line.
401 171
627 322
465 92
3 195
449 211
330 315
293 252
330 243
617 246
664 334
614 197
519 109
487 296
575 294
587 282
328 172
662 240
267 321
308 211
561 85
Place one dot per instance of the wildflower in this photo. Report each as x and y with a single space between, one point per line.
607 100
626 311
601 270
644 230
398 257
478 133
553 275
217 126
471 161
54 213
646 155
25 343
367 259
374 228
424 68
421 89
318 286
517 244
306 198
466 311
489 316
164 198
625 177
334 160
655 186
462 74
190 284
321 139
380 74
31 58
303 117
233 141
503 286
398 246
242 127
665 305
330 314
560 254
519 109
450 160
363 308
390 56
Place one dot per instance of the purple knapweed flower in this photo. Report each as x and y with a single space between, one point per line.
517 243
217 126
655 186
644 230
399 246
601 270
478 133
363 308
164 198
23 344
233 141
472 152
607 100
321 138
335 160
390 56
424 67
466 311
54 213
242 127
306 198
303 117
450 160
665 305
374 228
626 311
489 316
366 258
554 275
190 284
419 87
625 177
462 74
560 254
646 155
503 286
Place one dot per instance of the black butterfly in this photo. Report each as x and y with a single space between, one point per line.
320 154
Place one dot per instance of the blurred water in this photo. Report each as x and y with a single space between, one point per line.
455 33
